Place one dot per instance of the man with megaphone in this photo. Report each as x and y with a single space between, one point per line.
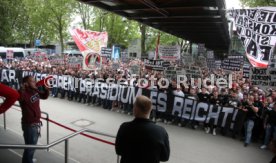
30 95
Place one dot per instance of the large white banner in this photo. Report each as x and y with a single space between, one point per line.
257 30
169 53
90 44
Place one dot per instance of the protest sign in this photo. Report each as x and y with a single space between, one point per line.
259 77
187 59
246 70
40 57
74 62
172 72
135 69
231 65
116 52
57 60
154 64
169 53
124 56
218 64
176 106
256 28
9 54
201 61
201 49
106 52
210 54
90 44
193 72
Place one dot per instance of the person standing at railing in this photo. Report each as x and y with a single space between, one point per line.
141 141
10 96
30 95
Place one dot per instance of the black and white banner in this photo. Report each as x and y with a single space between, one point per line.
154 64
259 77
231 65
256 28
246 70
180 107
211 60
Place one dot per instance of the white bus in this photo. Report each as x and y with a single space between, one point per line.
17 52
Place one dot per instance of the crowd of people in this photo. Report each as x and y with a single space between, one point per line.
258 104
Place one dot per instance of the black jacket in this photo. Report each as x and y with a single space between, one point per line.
141 141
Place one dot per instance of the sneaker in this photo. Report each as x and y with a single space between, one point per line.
180 124
214 132
263 147
245 144
165 121
207 130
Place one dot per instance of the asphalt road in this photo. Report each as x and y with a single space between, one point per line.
187 145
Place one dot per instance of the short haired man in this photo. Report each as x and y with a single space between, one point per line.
29 100
141 141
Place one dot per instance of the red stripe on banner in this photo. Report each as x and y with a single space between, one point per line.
256 63
73 130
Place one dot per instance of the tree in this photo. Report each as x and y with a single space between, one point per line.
165 39
143 30
257 3
35 26
59 17
11 16
86 13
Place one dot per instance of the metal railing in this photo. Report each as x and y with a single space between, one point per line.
49 145
64 139
42 112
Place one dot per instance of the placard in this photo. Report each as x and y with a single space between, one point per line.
169 53
154 64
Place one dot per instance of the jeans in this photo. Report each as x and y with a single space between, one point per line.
31 134
249 125
269 129
54 91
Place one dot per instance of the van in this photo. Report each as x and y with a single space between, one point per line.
17 52
71 53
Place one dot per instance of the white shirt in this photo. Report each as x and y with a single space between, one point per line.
178 93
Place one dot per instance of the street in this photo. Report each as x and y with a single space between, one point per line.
187 145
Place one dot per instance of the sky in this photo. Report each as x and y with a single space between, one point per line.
233 4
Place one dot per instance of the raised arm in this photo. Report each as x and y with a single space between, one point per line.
10 95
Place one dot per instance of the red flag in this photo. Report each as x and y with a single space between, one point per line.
44 82
157 46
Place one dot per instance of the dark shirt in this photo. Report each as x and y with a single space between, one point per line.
215 100
224 99
30 104
234 103
250 113
203 97
141 141
273 160
271 117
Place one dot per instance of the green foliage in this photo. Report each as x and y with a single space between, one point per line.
258 3
23 21
11 16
